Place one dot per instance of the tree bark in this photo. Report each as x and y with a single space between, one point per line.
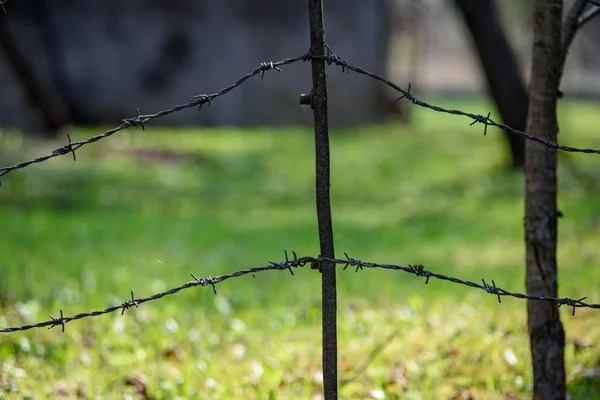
499 64
547 338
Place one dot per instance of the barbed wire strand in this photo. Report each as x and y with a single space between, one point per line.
331 58
140 120
295 262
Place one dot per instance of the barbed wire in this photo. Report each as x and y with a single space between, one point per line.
298 262
133 302
330 58
140 120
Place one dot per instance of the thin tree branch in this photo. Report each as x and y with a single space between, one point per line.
588 15
42 96
571 25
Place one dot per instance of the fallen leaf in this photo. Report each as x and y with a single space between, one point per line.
172 354
139 382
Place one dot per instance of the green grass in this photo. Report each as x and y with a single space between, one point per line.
143 209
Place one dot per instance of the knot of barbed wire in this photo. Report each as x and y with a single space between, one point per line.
201 100
279 264
572 303
308 55
62 150
58 321
206 282
406 94
419 270
482 120
353 263
288 264
67 148
549 143
296 262
265 66
492 289
129 303
311 54
329 57
332 58
137 120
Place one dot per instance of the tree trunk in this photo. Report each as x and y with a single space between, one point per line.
40 93
501 69
547 338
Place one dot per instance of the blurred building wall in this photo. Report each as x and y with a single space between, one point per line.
103 58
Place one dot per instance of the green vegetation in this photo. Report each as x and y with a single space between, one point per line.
143 209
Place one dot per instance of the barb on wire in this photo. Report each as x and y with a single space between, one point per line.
140 119
298 262
68 148
331 58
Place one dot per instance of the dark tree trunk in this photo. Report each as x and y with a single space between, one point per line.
547 338
501 70
41 95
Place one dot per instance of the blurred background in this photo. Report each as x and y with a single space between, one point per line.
90 62
94 63
231 186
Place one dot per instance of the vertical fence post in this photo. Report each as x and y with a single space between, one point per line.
319 103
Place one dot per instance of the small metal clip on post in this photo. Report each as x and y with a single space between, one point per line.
306 100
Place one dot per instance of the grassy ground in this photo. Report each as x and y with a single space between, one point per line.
142 210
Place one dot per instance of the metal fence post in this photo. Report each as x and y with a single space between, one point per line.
319 104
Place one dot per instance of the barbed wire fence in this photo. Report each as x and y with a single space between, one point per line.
319 54
330 58
295 263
